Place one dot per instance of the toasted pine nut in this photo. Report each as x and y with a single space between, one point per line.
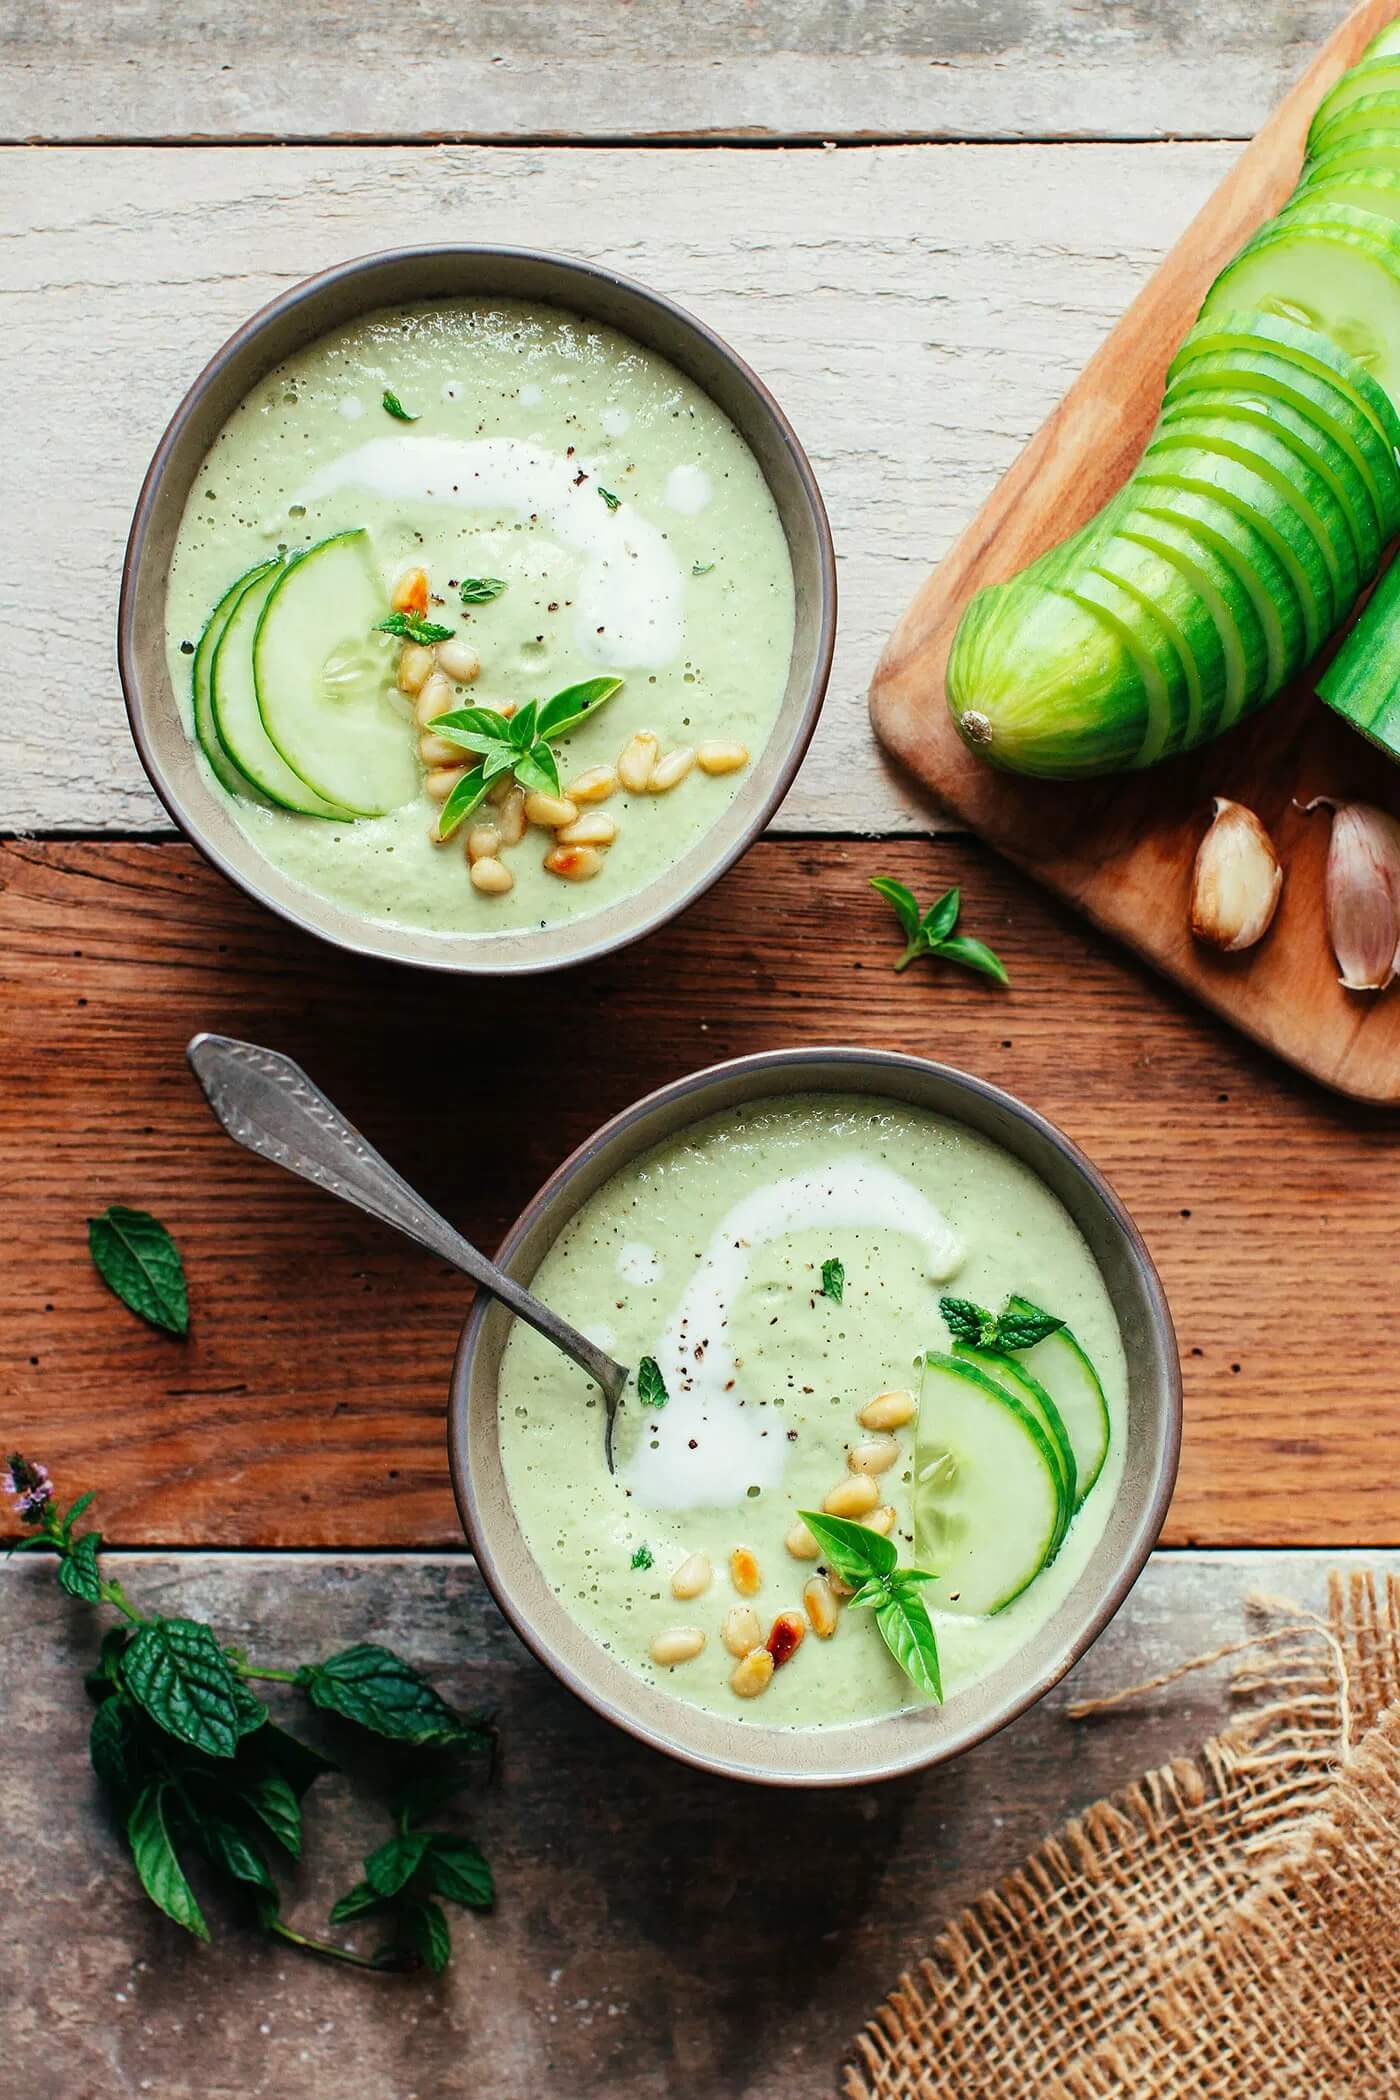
638 762
492 877
459 660
670 771
741 1630
436 698
591 829
441 781
744 1572
411 592
574 863
887 1411
510 818
483 842
415 667
593 786
882 1520
500 787
680 1645
785 1637
855 1496
435 750
837 1586
552 812
800 1543
753 1675
722 758
875 1457
819 1600
692 1576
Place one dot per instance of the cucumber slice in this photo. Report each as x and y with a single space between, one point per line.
1009 1371
1371 76
1227 529
234 706
1385 40
206 733
1301 346
989 1500
1157 662
1376 190
1242 649
1338 272
1366 151
1371 114
1066 1372
1161 589
1363 679
324 680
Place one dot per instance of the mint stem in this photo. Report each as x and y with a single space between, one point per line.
114 1594
328 1950
271 1676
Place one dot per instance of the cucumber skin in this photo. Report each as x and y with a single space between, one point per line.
939 1360
1362 682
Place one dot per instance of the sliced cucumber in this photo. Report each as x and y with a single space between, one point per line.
206 733
1384 41
1368 151
1009 1371
1374 75
1375 190
989 1498
234 705
1371 114
1159 584
1157 662
1227 530
1202 571
1302 346
1338 272
1363 679
1067 1374
324 682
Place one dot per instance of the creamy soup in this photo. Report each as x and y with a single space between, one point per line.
708 1255
571 508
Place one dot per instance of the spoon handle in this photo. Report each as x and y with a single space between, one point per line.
267 1103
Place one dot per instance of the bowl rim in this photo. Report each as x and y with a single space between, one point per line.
460 959
1137 1549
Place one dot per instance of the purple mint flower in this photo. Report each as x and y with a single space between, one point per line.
29 1484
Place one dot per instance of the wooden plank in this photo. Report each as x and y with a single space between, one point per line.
917 310
1110 846
307 1406
682 1935
587 69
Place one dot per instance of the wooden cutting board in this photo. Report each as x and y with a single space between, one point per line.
1121 850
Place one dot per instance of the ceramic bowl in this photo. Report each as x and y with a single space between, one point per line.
396 278
851 1754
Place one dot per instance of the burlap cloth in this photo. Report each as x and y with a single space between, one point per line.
1226 1929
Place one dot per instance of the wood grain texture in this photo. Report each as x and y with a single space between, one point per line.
917 311
596 69
307 1406
1113 846
657 1933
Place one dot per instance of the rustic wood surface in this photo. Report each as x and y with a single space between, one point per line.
657 1933
1115 847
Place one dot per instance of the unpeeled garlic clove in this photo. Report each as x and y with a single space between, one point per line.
1236 881
1363 893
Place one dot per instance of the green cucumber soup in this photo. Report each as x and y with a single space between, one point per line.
473 506
785 1264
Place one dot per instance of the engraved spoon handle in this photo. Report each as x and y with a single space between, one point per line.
267 1103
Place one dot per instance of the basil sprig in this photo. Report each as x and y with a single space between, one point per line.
931 932
517 744
870 1564
1019 1324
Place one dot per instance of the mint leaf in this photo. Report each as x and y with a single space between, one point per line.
396 1863
77 1571
429 1933
479 590
234 1854
940 918
651 1386
1022 1325
412 627
466 795
377 1690
613 502
974 955
701 568
906 907
162 1876
907 1631
119 1758
458 1871
395 408
136 1257
857 1553
291 1759
104 1678
273 1801
573 703
356 1902
968 1322
833 1280
538 771
177 1671
643 1557
76 1511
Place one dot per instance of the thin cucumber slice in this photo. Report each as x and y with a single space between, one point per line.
1332 269
1066 1372
324 680
1300 345
1384 41
1361 189
1156 661
988 1493
1359 120
1367 151
206 732
1242 650
1363 679
1161 591
234 705
1373 75
1010 1371
1224 528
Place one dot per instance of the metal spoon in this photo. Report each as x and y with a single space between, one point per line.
267 1103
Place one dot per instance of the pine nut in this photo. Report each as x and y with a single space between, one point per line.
436 698
800 1543
838 1587
411 592
415 667
483 842
670 771
887 1411
875 1457
692 1576
819 1601
638 762
459 660
680 1645
591 829
785 1637
441 781
500 787
551 812
882 1520
510 818
436 751
753 1675
741 1631
744 1572
853 1497
492 877
722 758
574 863
593 786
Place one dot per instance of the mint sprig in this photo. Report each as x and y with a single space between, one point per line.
1019 1324
869 1563
136 1257
931 932
413 627
833 1279
479 590
651 1386
518 744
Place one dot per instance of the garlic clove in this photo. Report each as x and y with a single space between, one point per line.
1236 881
1363 893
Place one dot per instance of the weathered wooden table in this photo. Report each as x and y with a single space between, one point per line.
916 220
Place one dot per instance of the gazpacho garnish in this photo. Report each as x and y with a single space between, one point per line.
833 1279
392 406
479 590
869 1564
651 1386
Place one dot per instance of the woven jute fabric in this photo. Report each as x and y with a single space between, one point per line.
1228 1928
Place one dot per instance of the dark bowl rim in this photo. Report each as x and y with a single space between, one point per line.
462 964
1143 1538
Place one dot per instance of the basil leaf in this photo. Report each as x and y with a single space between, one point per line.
537 770
908 1633
968 1322
395 1863
499 759
833 1280
458 1871
521 725
234 1854
177 1671
940 918
643 1558
273 1801
466 795
973 955
430 1933
906 907
77 1571
356 1902
572 703
395 408
1019 1328
136 1258
162 1876
651 1386
474 728
378 1690
856 1552
119 1758
479 590
413 627
613 502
